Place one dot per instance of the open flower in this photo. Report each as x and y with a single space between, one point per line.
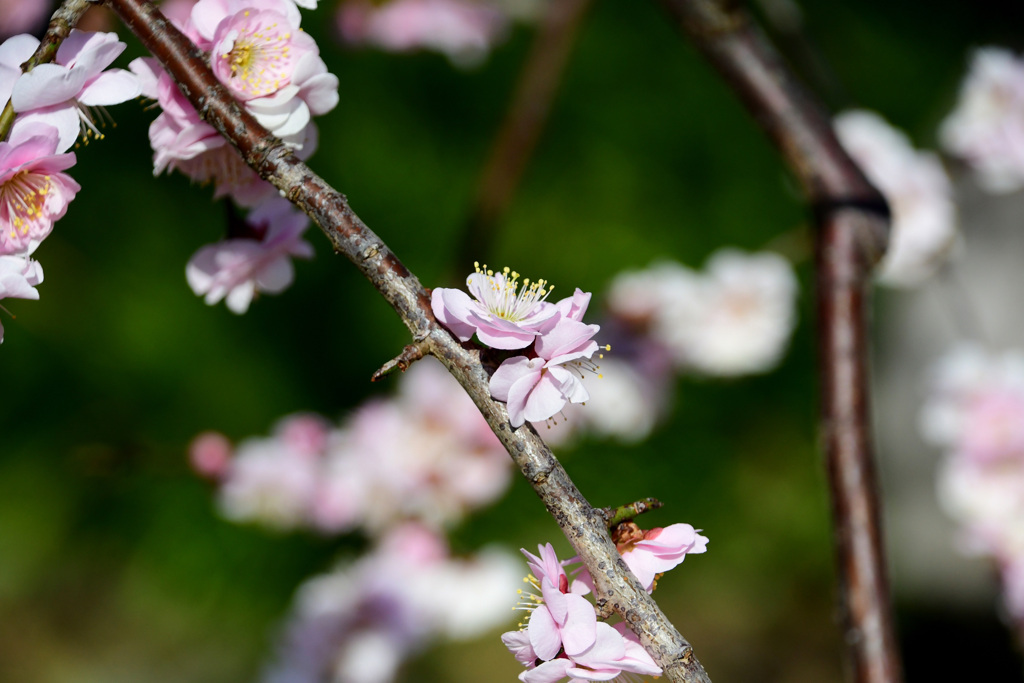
504 313
33 190
62 93
660 549
562 637
536 389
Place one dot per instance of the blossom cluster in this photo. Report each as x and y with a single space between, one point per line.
400 470
55 104
509 315
259 52
562 636
918 189
975 412
360 621
426 454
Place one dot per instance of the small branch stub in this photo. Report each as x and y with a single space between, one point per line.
625 513
410 354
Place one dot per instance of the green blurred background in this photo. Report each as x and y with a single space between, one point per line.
115 567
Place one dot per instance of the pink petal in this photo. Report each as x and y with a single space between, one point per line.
569 385
518 643
642 565
46 85
543 633
63 117
544 401
501 334
580 630
518 396
111 87
548 672
508 373
276 275
451 308
89 53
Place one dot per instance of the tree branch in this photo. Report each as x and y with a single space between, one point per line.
585 528
63 20
851 219
527 114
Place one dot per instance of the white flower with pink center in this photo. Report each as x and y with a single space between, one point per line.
236 269
735 319
34 192
67 93
504 313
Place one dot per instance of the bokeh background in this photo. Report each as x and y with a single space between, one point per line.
114 564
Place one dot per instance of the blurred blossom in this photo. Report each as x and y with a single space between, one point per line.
236 269
976 413
986 128
21 16
919 192
359 623
735 319
209 454
463 30
640 296
426 454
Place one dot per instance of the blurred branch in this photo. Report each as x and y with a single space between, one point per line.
851 220
527 114
615 585
63 20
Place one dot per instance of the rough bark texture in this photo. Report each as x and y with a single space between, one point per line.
582 524
851 220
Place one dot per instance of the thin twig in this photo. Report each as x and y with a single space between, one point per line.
615 585
527 115
410 354
63 20
851 219
626 513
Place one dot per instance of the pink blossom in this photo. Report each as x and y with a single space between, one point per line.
234 270
254 51
536 389
503 313
22 15
18 279
61 93
464 31
34 192
661 549
210 454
